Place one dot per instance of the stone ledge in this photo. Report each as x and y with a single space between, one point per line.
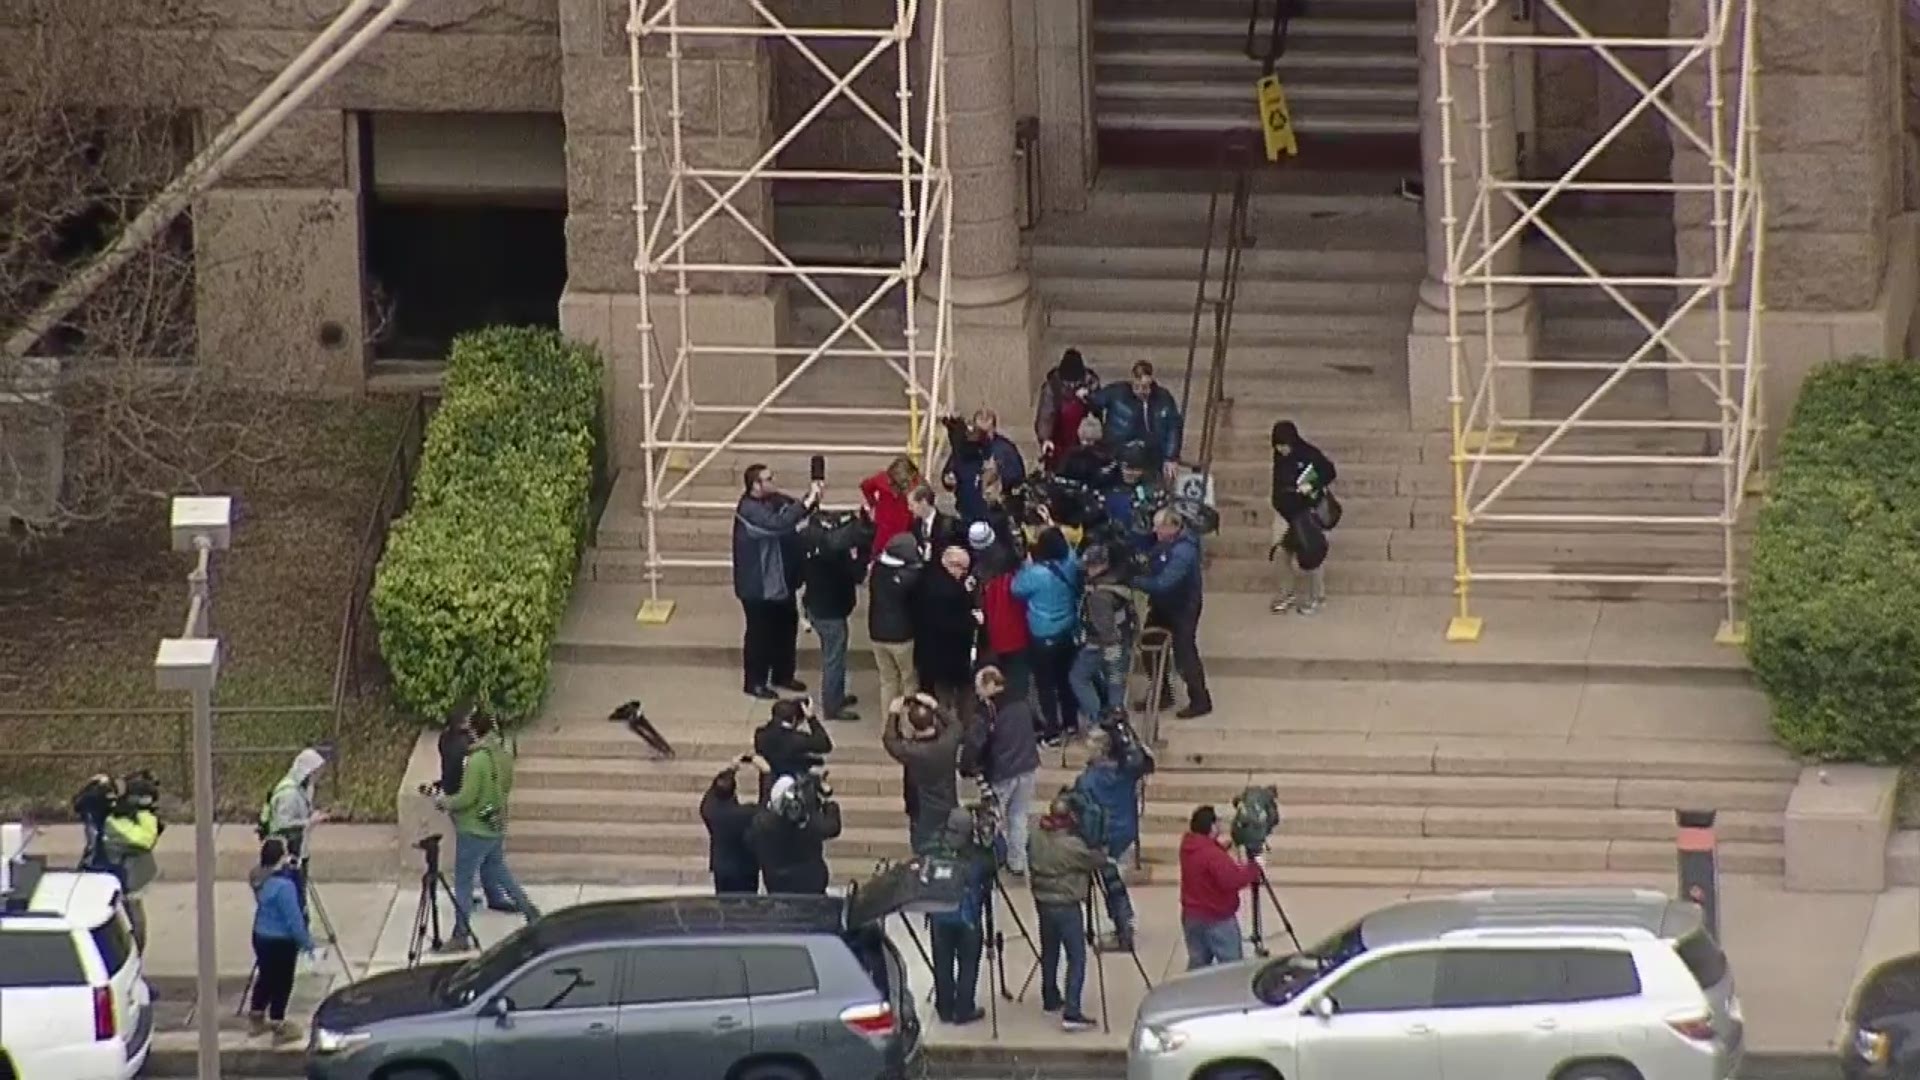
1903 859
1838 820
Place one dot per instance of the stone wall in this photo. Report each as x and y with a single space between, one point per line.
1578 97
842 136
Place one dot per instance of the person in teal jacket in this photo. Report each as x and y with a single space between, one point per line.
1050 586
479 812
279 937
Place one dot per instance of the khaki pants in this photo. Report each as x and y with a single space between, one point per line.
1290 582
897 679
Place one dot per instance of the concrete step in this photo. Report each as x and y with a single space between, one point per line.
1106 288
1385 327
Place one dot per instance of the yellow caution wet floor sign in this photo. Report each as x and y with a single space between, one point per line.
1276 122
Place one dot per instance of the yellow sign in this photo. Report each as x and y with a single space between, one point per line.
1275 119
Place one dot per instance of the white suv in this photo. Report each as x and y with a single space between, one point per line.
74 1004
1575 984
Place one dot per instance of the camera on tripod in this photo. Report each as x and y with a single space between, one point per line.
810 797
986 819
429 847
1256 813
1124 745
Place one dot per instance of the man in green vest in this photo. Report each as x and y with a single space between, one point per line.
479 812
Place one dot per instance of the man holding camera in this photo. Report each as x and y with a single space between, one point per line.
765 545
1110 780
791 742
1213 873
925 740
729 857
836 563
455 743
1175 593
1061 863
1107 617
1003 749
479 812
973 447
957 935
789 835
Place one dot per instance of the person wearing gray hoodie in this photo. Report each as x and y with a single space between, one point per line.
289 814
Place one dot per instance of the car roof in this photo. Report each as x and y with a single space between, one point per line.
82 899
677 916
1498 912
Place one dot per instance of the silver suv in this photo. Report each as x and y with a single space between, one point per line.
1568 984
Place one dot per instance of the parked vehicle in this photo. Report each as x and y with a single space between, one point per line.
74 1002
1883 1024
694 988
1574 984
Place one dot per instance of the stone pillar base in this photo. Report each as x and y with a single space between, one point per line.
1838 820
996 349
1794 343
611 322
1429 371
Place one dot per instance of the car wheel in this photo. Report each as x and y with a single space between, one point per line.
1239 1072
416 1073
774 1072
1598 1070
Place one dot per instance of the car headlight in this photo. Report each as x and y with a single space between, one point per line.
1871 1046
333 1042
1160 1040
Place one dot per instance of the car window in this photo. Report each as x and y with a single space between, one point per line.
1600 974
115 942
779 969
39 958
1703 958
582 980
658 974
1488 978
1389 984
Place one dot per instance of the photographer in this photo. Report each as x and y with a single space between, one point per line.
1175 594
123 824
1063 404
974 445
1110 780
1108 618
790 742
729 857
1050 587
956 934
925 740
479 812
1091 463
947 616
1301 477
764 575
455 743
1003 751
1130 503
1212 875
1061 863
789 835
1141 413
836 559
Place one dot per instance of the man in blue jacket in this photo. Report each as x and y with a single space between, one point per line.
1050 586
1141 412
766 572
956 934
1112 782
1175 593
966 466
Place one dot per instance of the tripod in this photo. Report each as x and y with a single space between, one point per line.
309 900
996 946
1258 939
426 913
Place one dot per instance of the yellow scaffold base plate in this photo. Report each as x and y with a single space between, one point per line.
654 612
1464 629
1497 442
1731 633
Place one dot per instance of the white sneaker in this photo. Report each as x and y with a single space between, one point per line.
1283 604
1311 607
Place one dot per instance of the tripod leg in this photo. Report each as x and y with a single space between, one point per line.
1285 923
333 936
1092 935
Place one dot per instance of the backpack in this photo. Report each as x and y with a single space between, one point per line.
1128 619
264 828
1089 817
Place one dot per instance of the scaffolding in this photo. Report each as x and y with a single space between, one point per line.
885 327
1478 34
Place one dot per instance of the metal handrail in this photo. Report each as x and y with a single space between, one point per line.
1220 303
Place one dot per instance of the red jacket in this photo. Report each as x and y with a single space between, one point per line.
891 516
1210 881
1006 616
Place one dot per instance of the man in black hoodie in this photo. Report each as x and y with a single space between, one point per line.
791 741
790 838
735 869
1301 478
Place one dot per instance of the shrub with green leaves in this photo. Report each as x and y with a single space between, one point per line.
476 576
1834 621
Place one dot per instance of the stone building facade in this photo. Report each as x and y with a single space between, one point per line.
1839 131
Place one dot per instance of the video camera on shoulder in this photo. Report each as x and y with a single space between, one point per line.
1256 813
812 794
1124 744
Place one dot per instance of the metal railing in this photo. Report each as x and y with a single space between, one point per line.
1215 299
355 655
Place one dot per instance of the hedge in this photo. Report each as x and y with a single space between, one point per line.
1834 613
475 578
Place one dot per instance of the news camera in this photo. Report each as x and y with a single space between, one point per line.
1256 813
1124 744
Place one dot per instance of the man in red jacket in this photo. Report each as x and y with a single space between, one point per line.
1212 876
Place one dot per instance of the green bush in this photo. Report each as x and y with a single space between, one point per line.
1834 622
476 576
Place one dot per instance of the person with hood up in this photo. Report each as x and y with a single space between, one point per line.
1003 630
1212 878
790 840
925 740
946 619
735 870
1141 412
1063 404
885 494
891 593
1302 476
956 935
280 935
966 466
1050 586
1175 595
1002 750
765 572
1108 618
288 812
1062 866
479 812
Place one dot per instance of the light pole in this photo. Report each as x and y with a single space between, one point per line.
191 662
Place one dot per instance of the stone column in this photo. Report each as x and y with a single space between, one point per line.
1056 87
1516 323
996 313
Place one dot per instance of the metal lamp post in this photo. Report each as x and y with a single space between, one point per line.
191 662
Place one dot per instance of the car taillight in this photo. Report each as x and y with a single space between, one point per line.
102 1013
1697 1028
872 1021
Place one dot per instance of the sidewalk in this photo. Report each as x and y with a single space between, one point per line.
1793 996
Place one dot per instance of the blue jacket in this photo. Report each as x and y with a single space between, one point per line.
1116 791
966 472
1119 503
1052 595
1126 419
765 565
276 914
1173 573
